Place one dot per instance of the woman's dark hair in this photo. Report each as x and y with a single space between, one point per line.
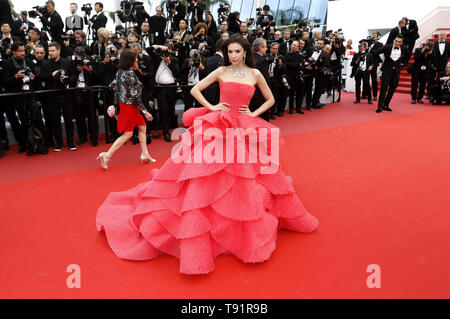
127 59
237 38
200 25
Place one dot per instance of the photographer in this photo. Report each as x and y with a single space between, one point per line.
277 71
158 26
374 46
317 61
178 10
443 90
233 22
223 12
196 9
145 38
265 21
211 25
34 39
295 86
98 20
421 71
59 74
362 64
6 41
52 22
286 43
74 22
334 68
97 50
181 49
21 27
105 74
167 71
411 34
145 73
202 38
192 72
81 98
243 30
18 77
133 11
259 47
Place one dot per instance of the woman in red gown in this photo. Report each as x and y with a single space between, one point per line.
196 209
127 95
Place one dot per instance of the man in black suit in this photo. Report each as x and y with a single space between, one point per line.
179 12
411 34
74 22
374 46
197 8
21 26
394 57
98 20
52 22
420 71
441 52
259 51
317 61
363 62
212 92
398 30
286 43
157 26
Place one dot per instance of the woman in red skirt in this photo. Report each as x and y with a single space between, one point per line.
127 95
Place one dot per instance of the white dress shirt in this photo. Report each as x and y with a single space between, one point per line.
396 54
164 74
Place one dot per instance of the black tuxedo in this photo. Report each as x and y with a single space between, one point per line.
180 13
212 92
421 73
15 29
285 47
373 48
391 73
98 21
394 33
157 26
279 91
440 60
362 75
54 24
258 99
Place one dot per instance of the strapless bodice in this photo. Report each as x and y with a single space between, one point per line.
236 94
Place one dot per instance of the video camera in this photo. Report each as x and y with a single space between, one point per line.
33 13
87 9
5 44
171 4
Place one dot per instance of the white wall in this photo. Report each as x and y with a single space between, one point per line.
355 17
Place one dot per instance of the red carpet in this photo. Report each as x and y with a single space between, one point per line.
380 189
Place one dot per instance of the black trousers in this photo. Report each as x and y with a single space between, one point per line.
319 85
166 105
298 89
419 79
9 110
308 88
280 94
57 105
83 113
22 105
364 77
189 100
389 83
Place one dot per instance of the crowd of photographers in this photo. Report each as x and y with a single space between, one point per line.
176 50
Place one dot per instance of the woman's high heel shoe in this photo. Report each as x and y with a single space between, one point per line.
104 158
146 158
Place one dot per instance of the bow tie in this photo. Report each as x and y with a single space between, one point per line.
441 41
316 50
396 48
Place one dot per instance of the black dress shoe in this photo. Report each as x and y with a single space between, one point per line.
272 116
309 108
22 149
299 110
2 148
30 151
291 111
413 101
375 98
94 142
363 97
370 102
280 114
135 140
167 137
420 101
356 101
81 141
379 110
386 108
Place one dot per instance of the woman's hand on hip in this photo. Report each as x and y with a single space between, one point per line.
220 107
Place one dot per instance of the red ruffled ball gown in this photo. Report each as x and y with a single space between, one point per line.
196 211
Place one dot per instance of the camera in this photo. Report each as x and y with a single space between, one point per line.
61 74
67 36
285 82
27 75
87 9
222 8
161 52
33 14
5 44
196 60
